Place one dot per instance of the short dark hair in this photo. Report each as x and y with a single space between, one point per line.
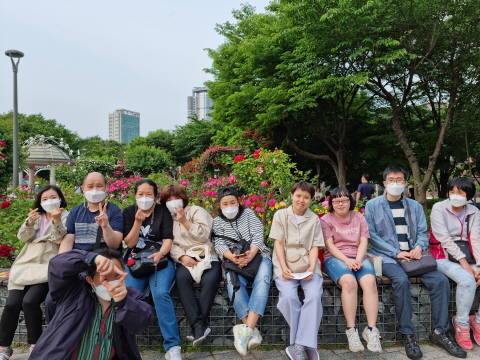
464 184
174 190
149 182
38 199
340 192
109 253
366 176
395 169
304 186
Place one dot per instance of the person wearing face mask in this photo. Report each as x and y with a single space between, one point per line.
297 234
196 259
98 316
233 223
148 222
398 230
346 234
87 222
455 222
42 233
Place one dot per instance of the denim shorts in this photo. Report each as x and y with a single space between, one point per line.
336 268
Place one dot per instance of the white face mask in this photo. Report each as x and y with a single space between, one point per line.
458 200
395 189
173 204
145 203
49 205
102 291
95 196
230 212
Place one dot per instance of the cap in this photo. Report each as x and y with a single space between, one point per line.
226 191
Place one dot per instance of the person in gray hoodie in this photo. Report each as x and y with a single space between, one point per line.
455 233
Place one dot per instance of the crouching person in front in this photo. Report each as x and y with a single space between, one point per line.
97 316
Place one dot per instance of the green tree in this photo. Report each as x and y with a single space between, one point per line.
192 139
94 147
405 53
147 159
161 139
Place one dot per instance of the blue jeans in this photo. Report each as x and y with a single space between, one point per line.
466 287
336 268
438 287
259 296
162 300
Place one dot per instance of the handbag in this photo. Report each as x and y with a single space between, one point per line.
296 263
464 247
143 266
415 267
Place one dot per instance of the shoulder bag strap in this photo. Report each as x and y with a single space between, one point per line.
410 223
99 237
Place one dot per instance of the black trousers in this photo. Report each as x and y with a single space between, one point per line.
29 300
198 310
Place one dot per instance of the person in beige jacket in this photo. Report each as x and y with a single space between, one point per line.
42 233
195 255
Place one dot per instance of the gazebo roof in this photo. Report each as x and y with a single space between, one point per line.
47 154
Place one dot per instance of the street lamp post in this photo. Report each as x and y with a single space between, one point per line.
15 54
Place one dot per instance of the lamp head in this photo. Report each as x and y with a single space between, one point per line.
14 53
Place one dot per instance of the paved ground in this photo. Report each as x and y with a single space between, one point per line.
390 353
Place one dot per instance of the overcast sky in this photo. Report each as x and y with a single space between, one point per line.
84 59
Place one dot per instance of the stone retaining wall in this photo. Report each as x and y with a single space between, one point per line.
273 326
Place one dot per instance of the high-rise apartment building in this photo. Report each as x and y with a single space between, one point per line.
123 125
199 103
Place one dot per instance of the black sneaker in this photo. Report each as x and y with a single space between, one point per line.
444 340
411 347
201 332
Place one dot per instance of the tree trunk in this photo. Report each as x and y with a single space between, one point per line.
442 184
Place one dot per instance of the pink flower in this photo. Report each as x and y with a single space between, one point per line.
258 209
260 170
254 197
362 209
256 154
275 161
238 158
2 143
248 203
232 179
184 183
264 183
214 193
209 193
272 202
25 196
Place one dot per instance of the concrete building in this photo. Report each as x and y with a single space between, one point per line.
123 125
199 103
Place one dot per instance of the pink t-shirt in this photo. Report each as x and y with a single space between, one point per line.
43 226
346 234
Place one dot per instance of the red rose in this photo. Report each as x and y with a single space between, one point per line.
238 158
6 251
256 154
2 144
5 204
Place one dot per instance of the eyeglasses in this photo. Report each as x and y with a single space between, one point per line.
336 202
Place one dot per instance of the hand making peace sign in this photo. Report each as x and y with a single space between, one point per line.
102 218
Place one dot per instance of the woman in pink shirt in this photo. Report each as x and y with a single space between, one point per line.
346 238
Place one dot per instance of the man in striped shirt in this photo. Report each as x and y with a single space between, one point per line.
97 316
398 230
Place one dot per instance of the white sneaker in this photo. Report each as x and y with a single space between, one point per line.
5 353
372 337
242 335
354 343
174 353
256 340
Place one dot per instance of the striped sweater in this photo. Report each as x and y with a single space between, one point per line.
246 224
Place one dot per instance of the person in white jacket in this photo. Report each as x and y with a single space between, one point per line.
42 232
196 258
455 233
